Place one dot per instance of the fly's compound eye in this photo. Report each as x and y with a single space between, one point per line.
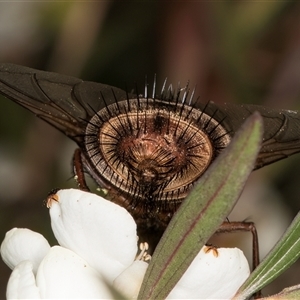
152 150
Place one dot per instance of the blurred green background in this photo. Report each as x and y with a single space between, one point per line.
233 51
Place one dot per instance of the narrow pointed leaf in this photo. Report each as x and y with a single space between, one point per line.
290 293
280 258
202 212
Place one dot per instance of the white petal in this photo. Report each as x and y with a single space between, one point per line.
129 281
216 274
65 275
21 283
101 232
22 244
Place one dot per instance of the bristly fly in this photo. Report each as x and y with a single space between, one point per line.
146 150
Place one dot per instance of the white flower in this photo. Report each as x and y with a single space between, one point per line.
98 246
213 274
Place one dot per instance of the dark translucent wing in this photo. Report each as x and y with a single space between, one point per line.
281 129
65 102
68 103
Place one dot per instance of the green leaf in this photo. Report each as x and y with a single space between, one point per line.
280 258
203 211
290 293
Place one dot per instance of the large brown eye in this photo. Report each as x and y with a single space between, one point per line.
152 151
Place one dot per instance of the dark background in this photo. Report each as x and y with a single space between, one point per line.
234 51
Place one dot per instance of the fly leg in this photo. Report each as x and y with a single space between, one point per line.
245 226
78 170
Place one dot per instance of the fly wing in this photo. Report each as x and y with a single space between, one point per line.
65 102
281 129
68 103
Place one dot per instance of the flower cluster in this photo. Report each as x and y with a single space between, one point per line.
97 257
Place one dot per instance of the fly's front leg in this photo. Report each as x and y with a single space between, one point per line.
248 227
245 227
78 170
